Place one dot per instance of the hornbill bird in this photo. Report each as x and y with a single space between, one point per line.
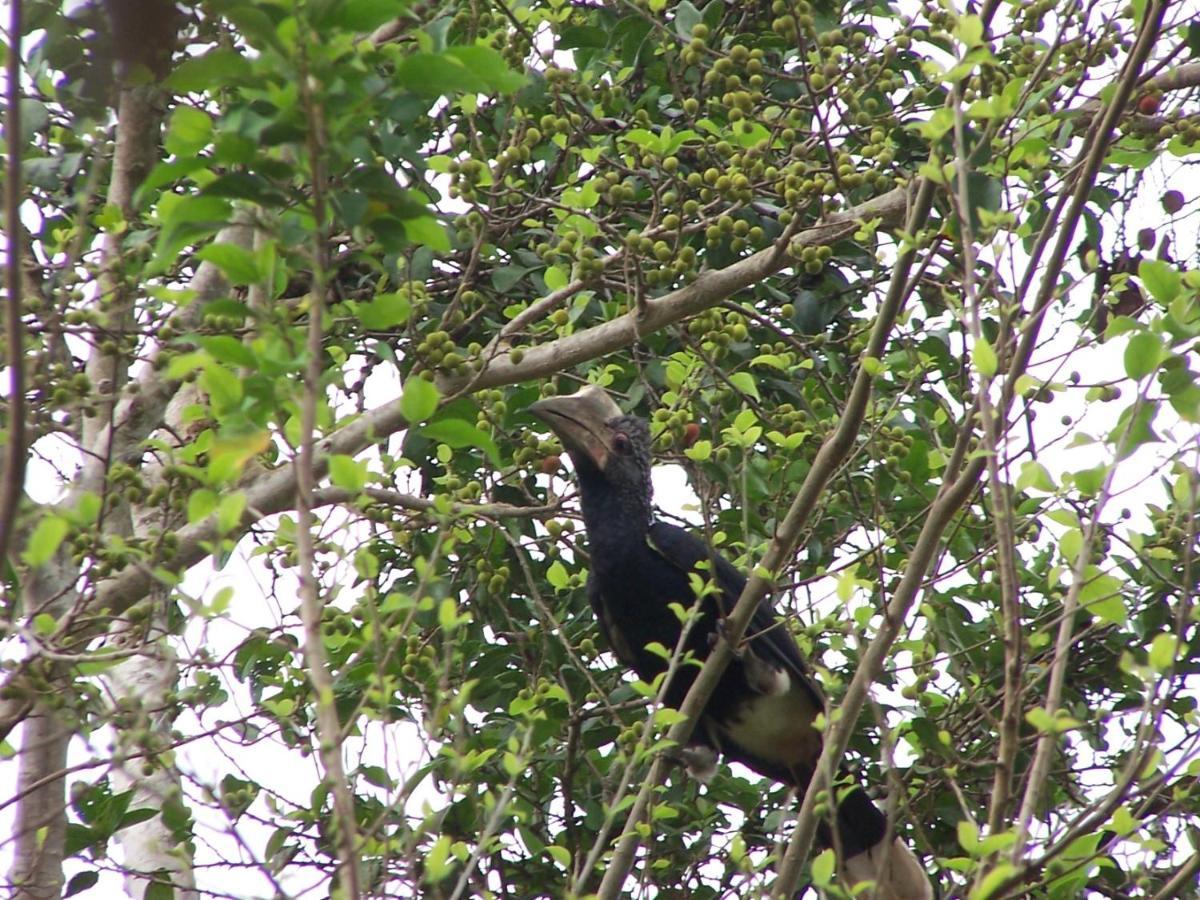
762 711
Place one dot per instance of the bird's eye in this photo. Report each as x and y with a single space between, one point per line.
621 442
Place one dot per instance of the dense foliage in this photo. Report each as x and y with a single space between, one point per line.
297 580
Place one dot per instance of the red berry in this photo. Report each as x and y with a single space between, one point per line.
690 434
1147 104
551 464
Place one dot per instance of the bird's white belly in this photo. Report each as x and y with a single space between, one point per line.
777 727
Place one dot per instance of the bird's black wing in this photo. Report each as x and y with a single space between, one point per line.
613 636
766 636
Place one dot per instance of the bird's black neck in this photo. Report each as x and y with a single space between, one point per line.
616 520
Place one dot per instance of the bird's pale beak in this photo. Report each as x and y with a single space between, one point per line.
581 422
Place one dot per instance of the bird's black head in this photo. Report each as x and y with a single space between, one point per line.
611 452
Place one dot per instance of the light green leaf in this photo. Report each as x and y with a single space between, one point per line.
201 504
968 836
223 387
437 865
745 383
984 358
1070 544
1102 596
1143 353
229 511
556 574
556 277
384 312
969 30
1160 278
43 543
419 400
822 868
1164 650
458 433
992 881
1035 475
212 70
188 132
428 231
347 472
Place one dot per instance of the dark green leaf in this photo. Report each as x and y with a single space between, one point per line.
80 882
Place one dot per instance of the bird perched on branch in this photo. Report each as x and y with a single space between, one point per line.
763 709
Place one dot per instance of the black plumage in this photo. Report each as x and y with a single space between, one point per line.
762 710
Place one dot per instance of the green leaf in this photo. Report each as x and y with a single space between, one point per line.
969 30
1164 650
223 387
1143 353
556 574
214 69
384 312
700 451
1070 544
230 510
360 15
236 263
1160 278
745 383
437 865
227 349
428 231
984 358
43 543
968 836
448 618
1089 481
556 277
188 131
1123 822
1103 596
458 433
687 17
347 473
201 503
992 881
1035 475
823 866
488 64
419 400
81 882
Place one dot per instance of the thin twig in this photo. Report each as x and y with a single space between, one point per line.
13 480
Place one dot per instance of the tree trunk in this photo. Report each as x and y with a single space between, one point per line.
41 815
141 683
